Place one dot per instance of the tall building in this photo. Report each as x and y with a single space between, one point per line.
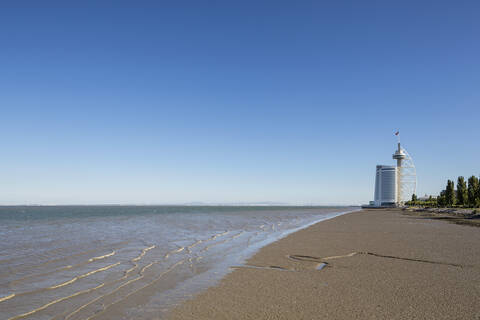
385 186
395 184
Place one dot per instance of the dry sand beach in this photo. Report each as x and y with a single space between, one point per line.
379 264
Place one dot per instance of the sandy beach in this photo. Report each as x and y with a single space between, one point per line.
370 264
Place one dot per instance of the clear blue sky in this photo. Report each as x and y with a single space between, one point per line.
233 101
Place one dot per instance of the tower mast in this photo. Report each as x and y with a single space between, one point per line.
399 155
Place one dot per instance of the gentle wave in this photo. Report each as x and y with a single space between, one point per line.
45 263
82 291
5 298
102 257
67 267
84 276
54 302
144 251
142 288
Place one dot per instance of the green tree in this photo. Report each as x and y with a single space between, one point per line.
414 198
441 199
462 194
450 193
473 191
477 195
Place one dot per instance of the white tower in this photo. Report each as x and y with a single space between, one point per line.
406 180
399 155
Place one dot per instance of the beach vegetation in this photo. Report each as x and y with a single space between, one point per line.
462 195
441 199
466 195
450 198
423 202
473 192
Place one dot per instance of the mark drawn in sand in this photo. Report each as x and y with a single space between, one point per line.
321 264
247 266
318 259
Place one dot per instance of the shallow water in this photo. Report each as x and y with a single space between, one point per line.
128 262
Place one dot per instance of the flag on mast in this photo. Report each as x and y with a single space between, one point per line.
397 133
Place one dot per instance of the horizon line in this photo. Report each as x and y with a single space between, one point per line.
233 204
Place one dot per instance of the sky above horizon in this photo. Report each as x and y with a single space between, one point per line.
233 101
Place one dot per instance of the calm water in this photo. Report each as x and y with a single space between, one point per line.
128 262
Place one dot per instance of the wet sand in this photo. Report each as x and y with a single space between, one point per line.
377 264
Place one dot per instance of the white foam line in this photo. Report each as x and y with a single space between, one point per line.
144 251
174 251
102 257
84 275
10 296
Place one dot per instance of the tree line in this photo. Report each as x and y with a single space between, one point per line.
466 195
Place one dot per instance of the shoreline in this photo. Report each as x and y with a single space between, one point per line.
363 264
